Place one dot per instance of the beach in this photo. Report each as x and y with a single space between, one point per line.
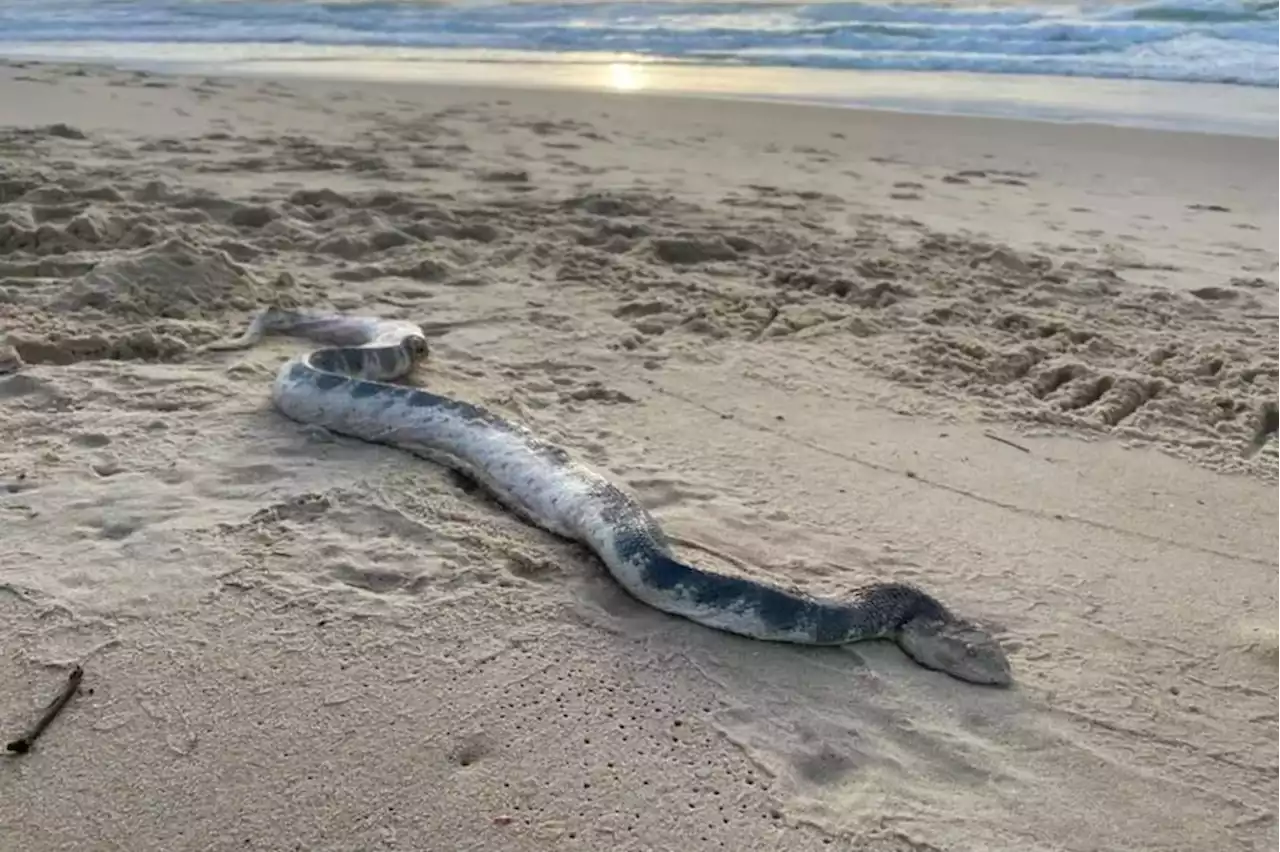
1025 365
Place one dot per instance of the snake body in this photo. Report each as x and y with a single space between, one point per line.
342 387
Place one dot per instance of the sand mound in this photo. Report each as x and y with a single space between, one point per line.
92 267
173 280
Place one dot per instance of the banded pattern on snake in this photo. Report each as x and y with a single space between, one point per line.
342 387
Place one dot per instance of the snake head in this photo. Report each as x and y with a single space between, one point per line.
416 346
957 647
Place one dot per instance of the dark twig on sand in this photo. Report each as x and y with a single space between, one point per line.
23 744
1005 441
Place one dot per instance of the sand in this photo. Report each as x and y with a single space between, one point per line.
1021 364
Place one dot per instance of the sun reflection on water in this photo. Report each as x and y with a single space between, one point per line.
625 77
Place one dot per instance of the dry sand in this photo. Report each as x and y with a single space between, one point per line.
793 331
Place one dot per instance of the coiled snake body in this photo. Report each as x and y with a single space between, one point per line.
338 387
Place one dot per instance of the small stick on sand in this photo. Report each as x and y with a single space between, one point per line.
23 744
1006 442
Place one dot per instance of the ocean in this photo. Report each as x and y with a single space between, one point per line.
1196 41
1200 65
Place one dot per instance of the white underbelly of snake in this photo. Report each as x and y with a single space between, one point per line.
338 387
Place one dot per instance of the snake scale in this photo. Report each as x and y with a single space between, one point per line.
343 387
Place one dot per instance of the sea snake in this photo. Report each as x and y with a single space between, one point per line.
340 388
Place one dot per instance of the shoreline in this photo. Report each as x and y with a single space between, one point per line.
1207 108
